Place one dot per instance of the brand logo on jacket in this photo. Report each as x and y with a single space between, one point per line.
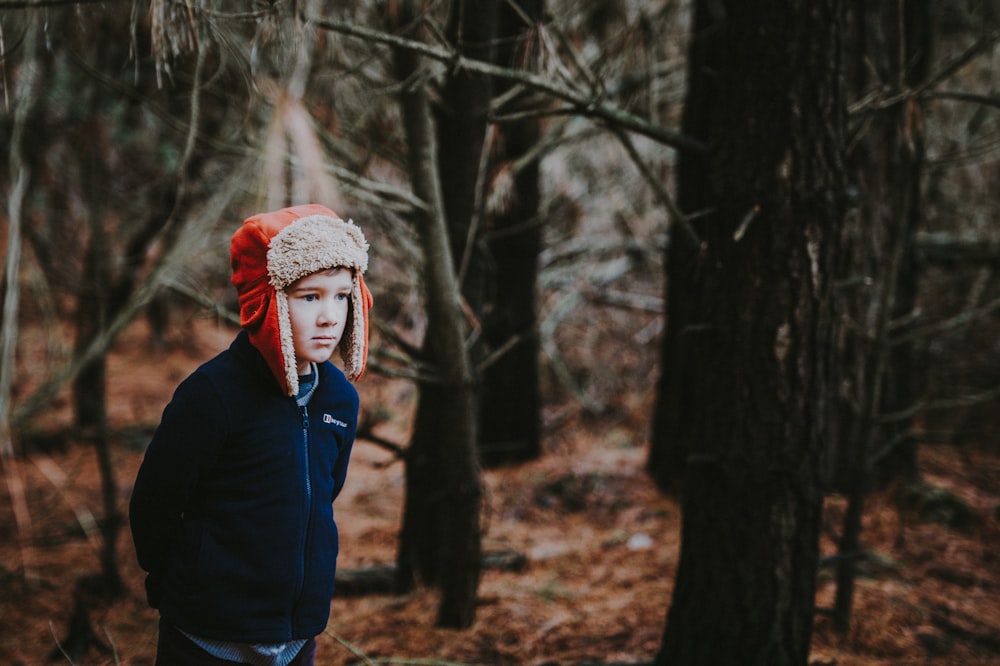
337 422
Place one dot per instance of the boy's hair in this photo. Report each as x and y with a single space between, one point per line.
272 250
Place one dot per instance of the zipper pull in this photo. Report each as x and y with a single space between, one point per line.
305 416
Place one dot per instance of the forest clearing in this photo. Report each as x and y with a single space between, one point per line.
599 546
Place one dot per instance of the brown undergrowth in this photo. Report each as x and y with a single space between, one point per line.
600 544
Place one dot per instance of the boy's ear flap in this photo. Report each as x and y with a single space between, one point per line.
367 302
355 351
253 308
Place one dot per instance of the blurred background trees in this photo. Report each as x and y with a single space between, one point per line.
515 166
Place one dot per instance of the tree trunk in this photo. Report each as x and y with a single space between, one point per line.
462 117
759 312
92 307
94 310
440 540
887 164
510 405
879 275
685 341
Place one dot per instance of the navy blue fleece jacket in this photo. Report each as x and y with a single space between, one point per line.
232 509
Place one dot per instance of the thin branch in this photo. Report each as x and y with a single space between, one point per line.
960 320
42 4
980 46
499 352
900 438
881 98
967 400
584 105
677 216
204 300
973 98
547 331
367 433
55 474
627 300
411 351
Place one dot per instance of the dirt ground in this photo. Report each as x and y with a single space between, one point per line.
601 547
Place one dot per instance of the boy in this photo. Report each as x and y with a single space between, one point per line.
231 512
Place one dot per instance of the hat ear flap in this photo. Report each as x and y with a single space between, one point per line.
253 308
355 352
286 343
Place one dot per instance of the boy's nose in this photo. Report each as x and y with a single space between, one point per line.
328 314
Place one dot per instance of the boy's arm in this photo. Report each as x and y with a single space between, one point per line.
344 455
340 468
186 441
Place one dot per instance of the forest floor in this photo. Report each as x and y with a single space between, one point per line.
600 548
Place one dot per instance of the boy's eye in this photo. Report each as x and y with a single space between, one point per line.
310 297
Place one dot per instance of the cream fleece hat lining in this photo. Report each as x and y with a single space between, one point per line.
311 244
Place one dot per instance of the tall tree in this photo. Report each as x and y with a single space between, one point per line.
878 275
685 343
462 116
769 102
440 540
510 404
490 206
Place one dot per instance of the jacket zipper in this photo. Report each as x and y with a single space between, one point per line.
300 583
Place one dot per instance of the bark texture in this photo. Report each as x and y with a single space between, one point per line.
753 321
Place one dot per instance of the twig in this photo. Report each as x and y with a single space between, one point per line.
677 216
547 329
355 651
499 352
57 477
957 321
22 515
624 299
111 642
880 99
366 433
986 100
55 638
944 403
204 300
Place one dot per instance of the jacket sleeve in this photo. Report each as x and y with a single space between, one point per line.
188 439
340 469
347 444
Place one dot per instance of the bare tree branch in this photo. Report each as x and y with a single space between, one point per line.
960 320
985 100
584 105
882 98
967 400
42 4
204 300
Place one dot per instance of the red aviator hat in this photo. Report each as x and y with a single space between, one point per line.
272 250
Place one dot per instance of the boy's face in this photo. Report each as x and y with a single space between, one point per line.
318 305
